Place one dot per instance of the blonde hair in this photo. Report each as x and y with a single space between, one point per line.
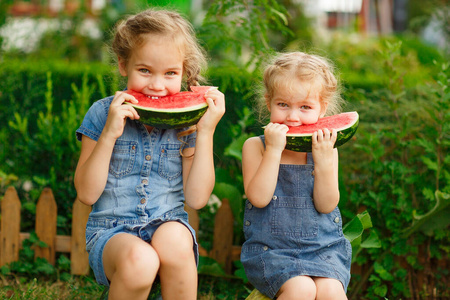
134 31
314 69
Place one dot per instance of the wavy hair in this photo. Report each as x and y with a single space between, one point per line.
314 69
133 32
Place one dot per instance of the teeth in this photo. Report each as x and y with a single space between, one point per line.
152 97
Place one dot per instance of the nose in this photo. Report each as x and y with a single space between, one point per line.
156 84
293 115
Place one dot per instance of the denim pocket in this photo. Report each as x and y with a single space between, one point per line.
123 157
294 216
92 235
170 161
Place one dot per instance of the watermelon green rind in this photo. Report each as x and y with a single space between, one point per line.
180 110
170 110
170 120
303 142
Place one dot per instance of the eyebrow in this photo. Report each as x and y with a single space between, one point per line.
308 100
150 67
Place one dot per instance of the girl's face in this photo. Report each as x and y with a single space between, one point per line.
155 68
299 105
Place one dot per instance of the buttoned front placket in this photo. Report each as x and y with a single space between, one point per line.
148 142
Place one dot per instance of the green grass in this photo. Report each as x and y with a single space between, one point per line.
79 288
85 287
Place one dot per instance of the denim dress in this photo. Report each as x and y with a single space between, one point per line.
144 188
288 237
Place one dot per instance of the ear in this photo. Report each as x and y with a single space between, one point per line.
122 66
323 109
267 101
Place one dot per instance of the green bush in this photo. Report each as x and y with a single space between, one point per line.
398 170
39 112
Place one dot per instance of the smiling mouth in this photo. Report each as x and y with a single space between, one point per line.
153 97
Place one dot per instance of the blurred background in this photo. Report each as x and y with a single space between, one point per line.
27 25
392 57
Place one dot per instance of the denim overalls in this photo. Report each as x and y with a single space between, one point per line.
288 237
144 187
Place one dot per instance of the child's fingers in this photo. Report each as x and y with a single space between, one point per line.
319 135
275 127
333 135
121 97
131 112
215 100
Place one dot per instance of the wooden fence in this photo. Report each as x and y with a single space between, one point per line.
46 214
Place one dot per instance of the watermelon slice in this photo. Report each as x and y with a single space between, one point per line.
299 138
179 110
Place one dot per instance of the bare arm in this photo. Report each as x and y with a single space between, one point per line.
260 167
198 170
326 187
92 169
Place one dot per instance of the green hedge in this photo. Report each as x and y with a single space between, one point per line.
23 84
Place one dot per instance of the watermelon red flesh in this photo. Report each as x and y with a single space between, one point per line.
181 101
299 138
175 111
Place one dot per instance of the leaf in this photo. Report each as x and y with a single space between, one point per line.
436 218
365 219
372 241
281 16
382 272
240 273
209 266
381 290
353 229
429 163
234 149
230 192
356 243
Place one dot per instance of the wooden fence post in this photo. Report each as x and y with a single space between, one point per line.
79 258
46 214
223 236
194 221
10 227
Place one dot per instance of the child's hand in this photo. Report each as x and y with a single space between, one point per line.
118 113
322 146
215 111
275 135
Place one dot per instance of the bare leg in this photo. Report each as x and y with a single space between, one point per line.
131 266
178 272
298 288
328 288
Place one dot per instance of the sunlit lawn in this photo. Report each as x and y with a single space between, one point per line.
210 288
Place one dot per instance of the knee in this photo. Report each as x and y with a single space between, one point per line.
301 287
306 291
174 244
331 290
138 266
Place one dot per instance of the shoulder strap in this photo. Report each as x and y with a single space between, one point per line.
309 158
263 140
